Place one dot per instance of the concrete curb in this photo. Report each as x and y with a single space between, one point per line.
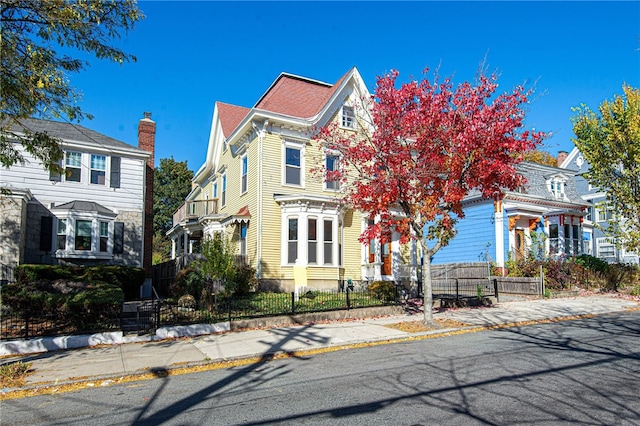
49 344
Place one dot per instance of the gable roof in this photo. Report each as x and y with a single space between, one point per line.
70 132
230 116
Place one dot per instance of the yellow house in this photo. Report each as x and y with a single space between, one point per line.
262 184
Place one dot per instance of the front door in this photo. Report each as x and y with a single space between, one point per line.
385 255
520 244
386 259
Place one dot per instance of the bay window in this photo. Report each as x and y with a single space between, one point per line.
83 235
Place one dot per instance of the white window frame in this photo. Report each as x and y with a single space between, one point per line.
68 156
103 233
61 232
327 184
348 117
556 186
290 241
300 146
244 174
303 241
71 219
312 243
223 194
92 167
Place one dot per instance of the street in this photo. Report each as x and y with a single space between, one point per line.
584 372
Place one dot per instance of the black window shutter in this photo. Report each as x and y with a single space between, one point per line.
118 238
46 232
115 172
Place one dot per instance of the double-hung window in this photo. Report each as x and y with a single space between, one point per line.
83 235
73 166
293 164
557 187
104 236
312 240
98 169
62 234
245 171
292 241
223 200
332 162
348 117
328 241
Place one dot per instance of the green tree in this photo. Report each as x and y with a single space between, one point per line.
34 73
610 142
172 183
218 261
540 157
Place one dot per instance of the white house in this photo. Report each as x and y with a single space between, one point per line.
94 213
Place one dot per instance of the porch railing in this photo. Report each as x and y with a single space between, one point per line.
195 209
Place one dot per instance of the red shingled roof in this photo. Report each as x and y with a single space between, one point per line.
230 116
289 95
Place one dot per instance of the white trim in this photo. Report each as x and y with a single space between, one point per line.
301 146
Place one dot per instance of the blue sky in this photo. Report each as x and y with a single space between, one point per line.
192 54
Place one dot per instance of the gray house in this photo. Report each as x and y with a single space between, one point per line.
97 212
596 242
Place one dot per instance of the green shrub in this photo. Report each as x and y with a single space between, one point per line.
96 296
188 281
592 263
243 282
30 273
382 290
47 288
128 278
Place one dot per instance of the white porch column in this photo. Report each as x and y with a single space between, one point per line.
185 242
173 248
499 231
303 238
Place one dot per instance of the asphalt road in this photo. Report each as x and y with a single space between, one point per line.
583 372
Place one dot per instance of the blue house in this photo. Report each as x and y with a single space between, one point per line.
544 216
598 216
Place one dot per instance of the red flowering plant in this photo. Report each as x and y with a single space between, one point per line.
421 148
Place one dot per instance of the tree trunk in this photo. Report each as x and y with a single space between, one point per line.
427 296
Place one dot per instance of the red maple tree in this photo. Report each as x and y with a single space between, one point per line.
421 149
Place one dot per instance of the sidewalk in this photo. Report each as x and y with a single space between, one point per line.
108 363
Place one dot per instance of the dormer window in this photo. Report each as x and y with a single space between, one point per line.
348 117
556 186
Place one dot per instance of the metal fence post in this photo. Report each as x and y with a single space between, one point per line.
457 290
348 301
229 308
495 289
293 302
26 324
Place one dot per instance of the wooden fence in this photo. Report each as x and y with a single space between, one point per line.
467 277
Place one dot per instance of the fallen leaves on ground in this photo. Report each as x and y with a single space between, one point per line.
420 326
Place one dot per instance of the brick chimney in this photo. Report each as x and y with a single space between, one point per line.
146 142
562 155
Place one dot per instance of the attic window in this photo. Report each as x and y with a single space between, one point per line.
556 186
348 117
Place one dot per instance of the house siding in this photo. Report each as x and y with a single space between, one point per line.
475 239
126 201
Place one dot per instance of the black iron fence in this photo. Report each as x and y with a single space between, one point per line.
147 316
27 324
